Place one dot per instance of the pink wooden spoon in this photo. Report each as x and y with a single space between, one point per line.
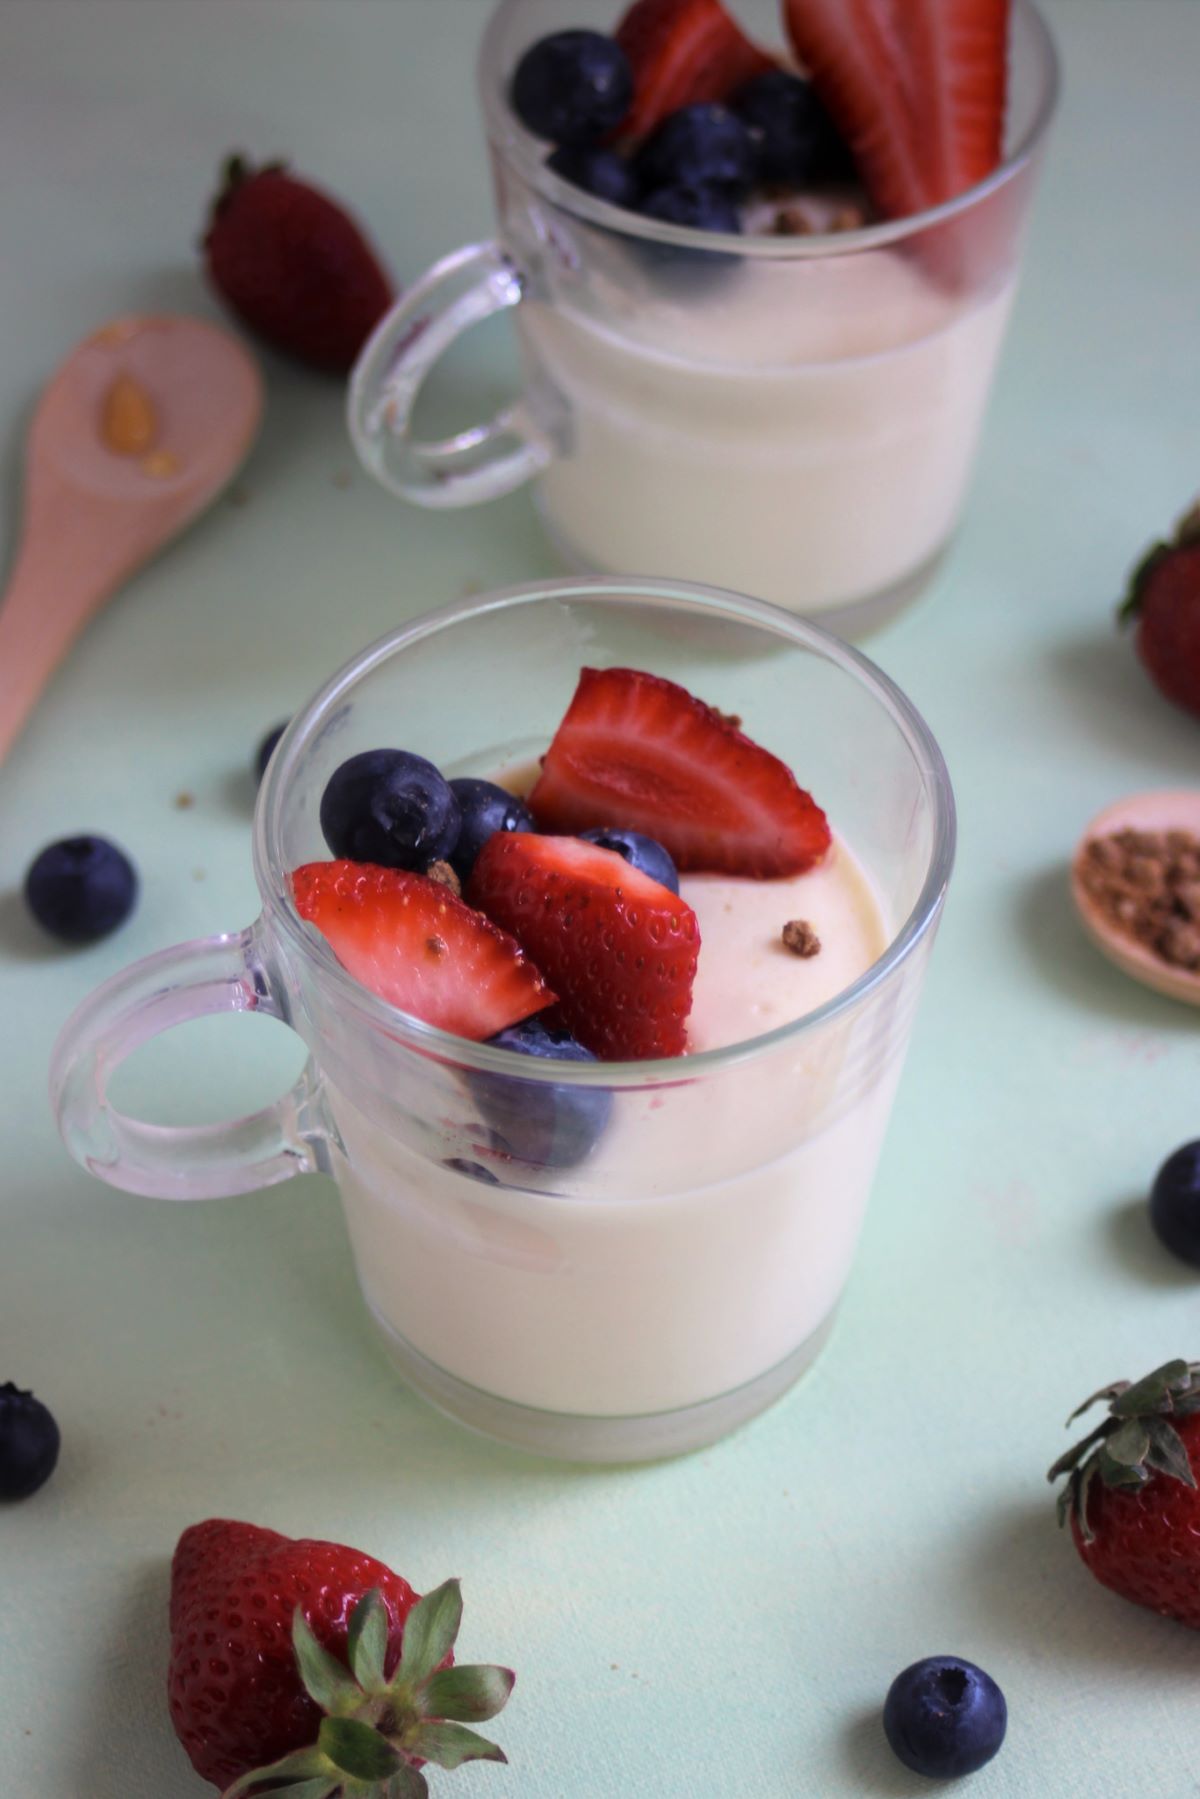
1163 810
134 435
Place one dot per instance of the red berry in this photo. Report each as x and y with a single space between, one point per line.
235 1695
683 52
639 753
294 266
917 91
621 948
1167 607
411 941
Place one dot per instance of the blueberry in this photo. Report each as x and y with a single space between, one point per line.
81 888
29 1443
389 807
794 138
944 1717
1175 1203
704 208
640 852
699 146
573 87
484 809
266 748
552 1126
601 172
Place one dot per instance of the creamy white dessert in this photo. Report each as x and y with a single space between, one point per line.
801 431
707 1236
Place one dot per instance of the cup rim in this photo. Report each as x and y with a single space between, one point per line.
526 154
429 1040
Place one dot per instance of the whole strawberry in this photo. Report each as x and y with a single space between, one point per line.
303 1666
1132 1497
294 266
1164 600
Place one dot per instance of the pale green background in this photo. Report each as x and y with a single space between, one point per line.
727 1624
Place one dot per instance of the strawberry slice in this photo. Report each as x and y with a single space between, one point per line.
418 947
640 753
683 52
620 949
918 90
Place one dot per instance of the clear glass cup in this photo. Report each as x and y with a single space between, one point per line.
681 1277
791 417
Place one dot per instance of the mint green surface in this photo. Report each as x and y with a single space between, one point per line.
727 1624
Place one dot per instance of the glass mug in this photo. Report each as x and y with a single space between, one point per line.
681 1277
792 417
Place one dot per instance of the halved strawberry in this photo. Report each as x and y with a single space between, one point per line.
918 90
683 52
414 944
639 752
621 950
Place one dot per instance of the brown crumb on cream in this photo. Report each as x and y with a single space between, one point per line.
800 938
444 876
1147 884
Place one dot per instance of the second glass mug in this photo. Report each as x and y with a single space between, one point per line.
671 1285
792 417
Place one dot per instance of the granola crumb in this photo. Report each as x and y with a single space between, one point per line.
1144 882
732 719
184 801
444 875
437 947
790 221
800 938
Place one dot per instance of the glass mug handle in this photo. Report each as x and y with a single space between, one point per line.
482 463
214 974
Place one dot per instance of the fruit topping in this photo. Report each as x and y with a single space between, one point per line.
918 91
484 809
641 753
553 1126
683 52
573 87
418 947
944 1717
701 208
1175 1203
392 808
605 173
294 266
266 749
304 1667
81 888
29 1443
1131 1496
1164 600
795 140
699 146
640 852
619 948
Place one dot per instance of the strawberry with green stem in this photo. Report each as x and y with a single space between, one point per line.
306 1669
1132 1497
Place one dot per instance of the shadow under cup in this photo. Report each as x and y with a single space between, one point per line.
794 417
653 1296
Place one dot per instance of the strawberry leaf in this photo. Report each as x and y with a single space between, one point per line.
429 1633
450 1745
1128 1445
290 1771
467 1693
367 1640
1153 1392
1167 1452
406 1783
357 1749
325 1679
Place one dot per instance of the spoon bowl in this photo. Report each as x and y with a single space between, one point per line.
1176 809
134 435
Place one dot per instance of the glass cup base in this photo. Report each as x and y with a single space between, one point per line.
647 1437
849 619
